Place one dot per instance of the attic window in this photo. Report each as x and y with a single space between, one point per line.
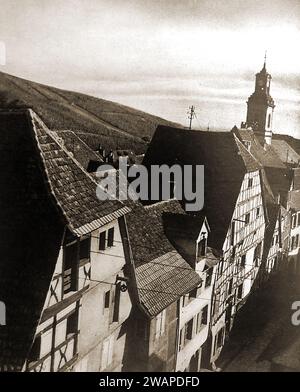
247 144
250 182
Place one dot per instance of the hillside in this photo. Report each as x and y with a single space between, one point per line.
98 120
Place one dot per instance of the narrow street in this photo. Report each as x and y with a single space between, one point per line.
263 338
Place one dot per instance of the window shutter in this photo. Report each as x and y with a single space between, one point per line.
102 238
117 303
110 241
189 333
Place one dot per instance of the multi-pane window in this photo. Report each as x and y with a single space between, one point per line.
160 325
201 319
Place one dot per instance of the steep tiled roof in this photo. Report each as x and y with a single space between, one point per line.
73 189
276 172
225 161
77 147
266 155
162 275
42 189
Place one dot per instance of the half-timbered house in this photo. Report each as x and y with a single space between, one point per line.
64 282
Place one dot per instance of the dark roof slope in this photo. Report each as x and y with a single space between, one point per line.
225 162
77 147
31 232
285 152
72 188
162 275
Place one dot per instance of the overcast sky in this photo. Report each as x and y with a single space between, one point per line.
160 56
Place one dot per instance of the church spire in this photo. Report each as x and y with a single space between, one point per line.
265 62
261 106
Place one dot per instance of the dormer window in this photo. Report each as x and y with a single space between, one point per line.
247 144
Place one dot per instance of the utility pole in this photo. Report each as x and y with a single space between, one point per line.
191 114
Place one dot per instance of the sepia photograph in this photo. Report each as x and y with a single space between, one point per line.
149 189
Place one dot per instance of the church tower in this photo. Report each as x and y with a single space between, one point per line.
261 107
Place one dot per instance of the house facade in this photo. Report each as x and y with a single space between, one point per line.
294 237
242 256
73 320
